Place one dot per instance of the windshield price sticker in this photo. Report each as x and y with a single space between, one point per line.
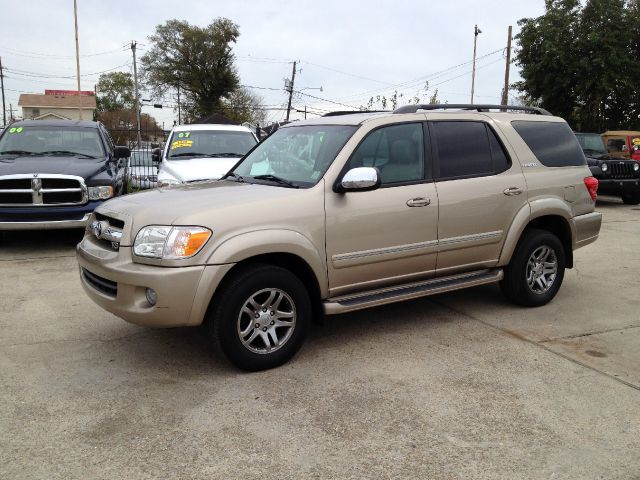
181 144
184 134
15 130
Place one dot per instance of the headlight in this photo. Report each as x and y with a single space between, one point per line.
100 193
167 182
135 177
636 167
170 243
604 167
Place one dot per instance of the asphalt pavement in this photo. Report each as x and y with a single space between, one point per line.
456 386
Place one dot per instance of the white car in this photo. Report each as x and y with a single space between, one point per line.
141 170
202 152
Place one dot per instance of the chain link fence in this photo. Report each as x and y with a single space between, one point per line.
141 172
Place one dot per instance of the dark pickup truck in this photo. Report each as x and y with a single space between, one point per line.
54 173
616 176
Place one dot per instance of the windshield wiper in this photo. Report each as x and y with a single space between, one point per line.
276 179
227 154
234 175
18 152
187 154
66 152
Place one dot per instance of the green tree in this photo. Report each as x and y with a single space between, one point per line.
578 61
243 105
197 60
115 91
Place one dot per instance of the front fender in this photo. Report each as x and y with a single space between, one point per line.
263 242
534 209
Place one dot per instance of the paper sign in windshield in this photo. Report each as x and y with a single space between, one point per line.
182 144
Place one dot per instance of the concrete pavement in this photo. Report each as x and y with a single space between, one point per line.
458 386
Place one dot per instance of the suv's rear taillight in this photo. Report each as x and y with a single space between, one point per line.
592 185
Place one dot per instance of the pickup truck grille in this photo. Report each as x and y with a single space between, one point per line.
40 190
618 169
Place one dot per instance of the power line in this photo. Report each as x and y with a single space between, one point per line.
346 73
26 73
22 53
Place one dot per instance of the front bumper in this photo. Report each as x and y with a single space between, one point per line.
46 218
613 186
183 293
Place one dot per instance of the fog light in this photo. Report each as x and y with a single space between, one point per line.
152 296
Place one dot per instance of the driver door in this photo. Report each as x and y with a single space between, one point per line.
388 235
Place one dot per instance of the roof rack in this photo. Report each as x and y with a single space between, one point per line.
467 106
353 112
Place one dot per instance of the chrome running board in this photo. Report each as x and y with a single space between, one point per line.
397 293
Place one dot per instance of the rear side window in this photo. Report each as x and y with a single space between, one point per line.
553 143
468 149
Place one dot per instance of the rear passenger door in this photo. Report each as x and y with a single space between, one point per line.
480 190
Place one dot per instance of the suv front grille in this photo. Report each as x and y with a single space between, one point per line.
619 169
29 190
107 230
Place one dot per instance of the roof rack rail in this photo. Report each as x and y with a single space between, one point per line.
353 112
468 106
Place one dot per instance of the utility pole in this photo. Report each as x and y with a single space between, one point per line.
135 82
505 92
75 16
290 90
476 31
179 114
4 109
10 113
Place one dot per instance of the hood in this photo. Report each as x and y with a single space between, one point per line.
82 167
201 168
177 202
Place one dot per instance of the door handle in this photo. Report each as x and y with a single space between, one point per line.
512 191
418 202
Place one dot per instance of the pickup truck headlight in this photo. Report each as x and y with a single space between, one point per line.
604 167
170 243
100 193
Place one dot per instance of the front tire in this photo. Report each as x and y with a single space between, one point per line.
535 273
260 317
631 198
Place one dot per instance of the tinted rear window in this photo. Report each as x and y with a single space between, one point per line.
553 143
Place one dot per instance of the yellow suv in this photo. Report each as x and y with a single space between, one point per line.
345 212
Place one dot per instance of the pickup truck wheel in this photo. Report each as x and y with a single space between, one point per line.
536 270
260 317
631 198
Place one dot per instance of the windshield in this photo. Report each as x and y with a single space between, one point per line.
209 143
43 140
591 143
141 158
299 155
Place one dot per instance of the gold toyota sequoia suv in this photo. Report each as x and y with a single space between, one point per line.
344 212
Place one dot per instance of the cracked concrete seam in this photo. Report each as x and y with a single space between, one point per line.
539 345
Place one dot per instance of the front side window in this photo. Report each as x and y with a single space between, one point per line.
209 143
468 149
299 155
397 151
49 140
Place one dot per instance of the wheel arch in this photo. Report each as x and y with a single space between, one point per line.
553 216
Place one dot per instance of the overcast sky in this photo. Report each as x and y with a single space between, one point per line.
353 49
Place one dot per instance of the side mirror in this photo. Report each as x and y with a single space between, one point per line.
121 152
155 155
359 179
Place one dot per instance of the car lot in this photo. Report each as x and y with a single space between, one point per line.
457 386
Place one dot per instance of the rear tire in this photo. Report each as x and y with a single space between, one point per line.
260 317
535 273
631 198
